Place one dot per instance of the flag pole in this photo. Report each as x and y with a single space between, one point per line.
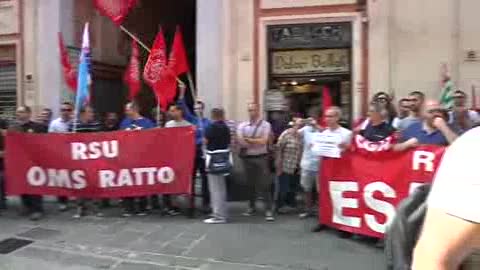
193 91
131 35
134 38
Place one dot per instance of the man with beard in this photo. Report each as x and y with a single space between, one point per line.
416 99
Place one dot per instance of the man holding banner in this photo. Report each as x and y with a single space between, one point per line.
133 122
433 130
33 204
333 140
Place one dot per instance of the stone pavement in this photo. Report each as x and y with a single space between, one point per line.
166 243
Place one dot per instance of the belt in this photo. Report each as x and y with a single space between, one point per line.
256 156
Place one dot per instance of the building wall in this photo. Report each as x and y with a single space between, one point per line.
409 41
225 55
41 22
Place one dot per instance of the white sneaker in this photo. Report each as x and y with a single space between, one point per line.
269 216
215 220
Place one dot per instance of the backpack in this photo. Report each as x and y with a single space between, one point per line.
403 233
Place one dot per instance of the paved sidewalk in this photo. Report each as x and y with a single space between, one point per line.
155 242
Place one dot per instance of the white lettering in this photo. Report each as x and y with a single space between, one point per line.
425 158
166 175
339 202
110 149
124 178
36 177
94 149
139 175
79 181
59 178
106 178
79 151
378 205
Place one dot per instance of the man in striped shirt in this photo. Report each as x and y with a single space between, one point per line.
85 123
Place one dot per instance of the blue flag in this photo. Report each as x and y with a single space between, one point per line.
84 79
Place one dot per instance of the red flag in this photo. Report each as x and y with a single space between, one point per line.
68 72
132 74
178 57
158 75
326 102
116 10
157 61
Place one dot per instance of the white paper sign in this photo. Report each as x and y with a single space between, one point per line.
326 145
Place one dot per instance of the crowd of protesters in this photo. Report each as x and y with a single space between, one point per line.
414 121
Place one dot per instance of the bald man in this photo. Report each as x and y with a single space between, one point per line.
433 129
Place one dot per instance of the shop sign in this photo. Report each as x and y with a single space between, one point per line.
275 100
303 3
310 36
310 61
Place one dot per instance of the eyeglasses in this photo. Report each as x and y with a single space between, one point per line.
65 110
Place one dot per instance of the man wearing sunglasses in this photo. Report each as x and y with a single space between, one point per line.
61 125
433 129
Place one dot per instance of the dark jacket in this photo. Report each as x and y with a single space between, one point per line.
402 235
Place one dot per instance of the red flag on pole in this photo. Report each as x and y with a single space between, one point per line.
116 10
132 74
68 72
326 102
178 56
158 75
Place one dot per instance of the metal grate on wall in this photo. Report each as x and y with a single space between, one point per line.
8 90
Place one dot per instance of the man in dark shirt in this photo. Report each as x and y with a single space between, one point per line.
32 204
85 123
111 121
377 128
217 138
201 123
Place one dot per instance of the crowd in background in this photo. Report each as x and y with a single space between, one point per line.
279 167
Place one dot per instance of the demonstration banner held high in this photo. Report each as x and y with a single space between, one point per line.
360 191
100 165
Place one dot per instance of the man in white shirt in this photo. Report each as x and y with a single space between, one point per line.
61 125
451 231
332 119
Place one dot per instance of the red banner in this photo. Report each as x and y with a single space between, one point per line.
100 165
359 192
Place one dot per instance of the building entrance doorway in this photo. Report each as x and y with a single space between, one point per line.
303 60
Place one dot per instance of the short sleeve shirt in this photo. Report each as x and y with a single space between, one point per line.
377 133
310 161
418 131
456 188
247 130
